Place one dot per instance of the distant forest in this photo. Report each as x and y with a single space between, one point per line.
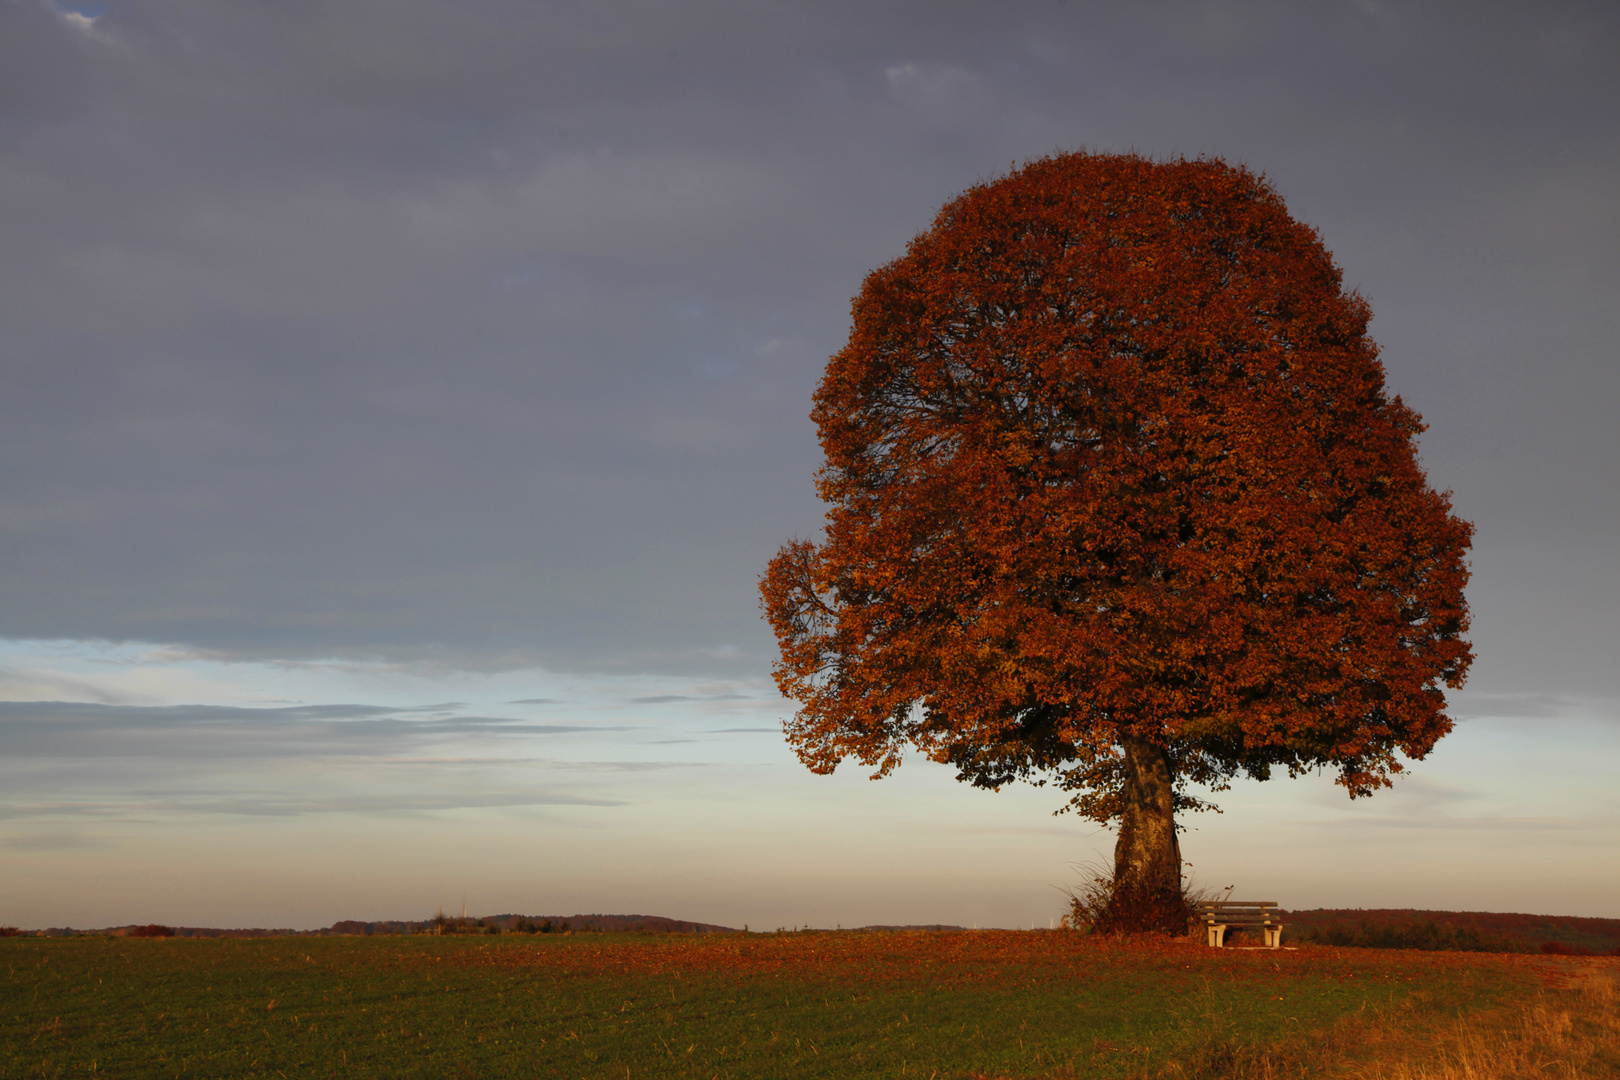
1457 931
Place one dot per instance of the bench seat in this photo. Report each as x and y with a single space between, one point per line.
1220 915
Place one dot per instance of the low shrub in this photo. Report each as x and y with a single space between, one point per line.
150 930
1101 906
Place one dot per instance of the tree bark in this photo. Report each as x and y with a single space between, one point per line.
1147 859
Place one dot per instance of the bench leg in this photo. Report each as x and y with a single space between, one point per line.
1217 935
1273 937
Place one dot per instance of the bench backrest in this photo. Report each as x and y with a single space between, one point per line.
1236 910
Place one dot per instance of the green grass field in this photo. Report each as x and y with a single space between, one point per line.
991 1003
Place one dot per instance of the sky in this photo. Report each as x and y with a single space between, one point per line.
401 400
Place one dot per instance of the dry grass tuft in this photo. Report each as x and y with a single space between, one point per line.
1558 1035
1563 1034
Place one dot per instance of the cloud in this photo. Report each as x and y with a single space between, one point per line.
1523 705
55 729
1483 823
126 807
81 17
128 763
941 93
47 686
54 841
437 340
663 699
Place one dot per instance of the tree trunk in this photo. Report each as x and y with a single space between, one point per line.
1147 859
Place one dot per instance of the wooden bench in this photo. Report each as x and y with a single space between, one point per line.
1219 915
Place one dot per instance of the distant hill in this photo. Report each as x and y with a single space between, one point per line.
609 924
600 924
154 930
1467 931
538 924
505 924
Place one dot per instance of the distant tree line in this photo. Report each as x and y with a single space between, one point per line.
1457 932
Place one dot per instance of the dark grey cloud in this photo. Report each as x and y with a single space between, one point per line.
483 333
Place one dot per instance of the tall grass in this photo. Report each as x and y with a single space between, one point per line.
1560 1035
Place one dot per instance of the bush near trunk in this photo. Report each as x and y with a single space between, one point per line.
1102 904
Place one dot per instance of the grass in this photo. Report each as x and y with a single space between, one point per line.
1553 1037
985 1004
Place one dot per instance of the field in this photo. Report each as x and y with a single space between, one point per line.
972 1004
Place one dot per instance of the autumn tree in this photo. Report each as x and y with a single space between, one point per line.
1117 498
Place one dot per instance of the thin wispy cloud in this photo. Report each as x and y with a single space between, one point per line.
128 808
85 730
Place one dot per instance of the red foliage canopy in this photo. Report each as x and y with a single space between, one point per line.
1110 460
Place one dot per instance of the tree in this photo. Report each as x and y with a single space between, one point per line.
1117 498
